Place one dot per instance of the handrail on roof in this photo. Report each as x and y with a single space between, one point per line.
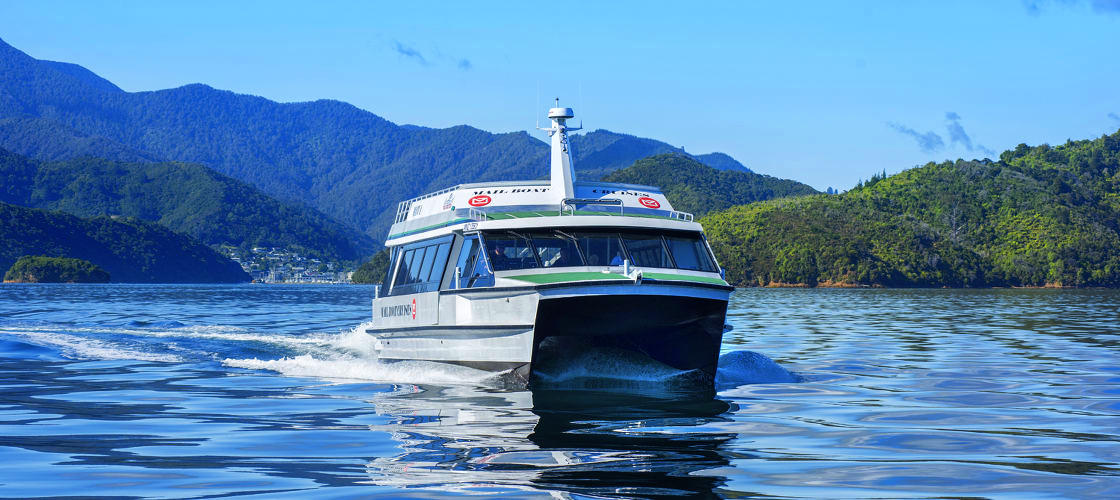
402 207
570 203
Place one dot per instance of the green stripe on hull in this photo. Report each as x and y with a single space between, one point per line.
683 277
541 279
428 228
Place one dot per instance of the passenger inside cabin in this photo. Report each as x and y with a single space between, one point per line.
617 260
498 259
563 259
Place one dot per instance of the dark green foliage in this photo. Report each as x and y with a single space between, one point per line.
188 198
48 140
694 187
40 269
1042 216
373 271
130 249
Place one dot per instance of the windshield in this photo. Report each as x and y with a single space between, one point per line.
509 250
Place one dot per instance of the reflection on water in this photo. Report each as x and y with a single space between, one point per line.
585 442
139 391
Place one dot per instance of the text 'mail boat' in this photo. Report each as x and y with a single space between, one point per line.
512 275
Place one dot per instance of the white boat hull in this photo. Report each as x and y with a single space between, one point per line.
679 324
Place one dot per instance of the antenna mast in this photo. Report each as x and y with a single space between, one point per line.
562 174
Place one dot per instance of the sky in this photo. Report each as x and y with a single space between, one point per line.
827 93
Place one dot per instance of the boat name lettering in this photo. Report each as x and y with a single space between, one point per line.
614 191
399 310
511 190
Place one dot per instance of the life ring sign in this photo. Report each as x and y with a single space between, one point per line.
479 201
649 202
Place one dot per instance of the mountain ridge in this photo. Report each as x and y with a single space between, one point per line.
129 249
188 198
352 164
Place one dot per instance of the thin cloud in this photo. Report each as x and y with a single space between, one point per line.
1114 116
928 142
1036 7
435 58
957 135
410 53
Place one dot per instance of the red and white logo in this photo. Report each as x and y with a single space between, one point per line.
479 201
649 202
413 308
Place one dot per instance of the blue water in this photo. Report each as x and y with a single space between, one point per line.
207 391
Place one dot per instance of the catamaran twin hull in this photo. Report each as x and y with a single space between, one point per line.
677 323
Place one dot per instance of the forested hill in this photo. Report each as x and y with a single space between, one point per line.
130 249
697 188
187 198
1040 216
348 163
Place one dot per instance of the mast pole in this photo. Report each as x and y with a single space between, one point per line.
561 172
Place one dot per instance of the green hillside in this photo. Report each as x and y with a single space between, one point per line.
1040 216
346 162
694 187
129 249
187 198
39 269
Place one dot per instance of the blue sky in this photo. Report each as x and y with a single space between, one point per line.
823 92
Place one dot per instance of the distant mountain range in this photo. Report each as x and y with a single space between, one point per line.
188 198
131 250
348 163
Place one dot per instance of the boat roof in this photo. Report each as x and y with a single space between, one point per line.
529 204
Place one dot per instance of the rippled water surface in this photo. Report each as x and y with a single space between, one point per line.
204 391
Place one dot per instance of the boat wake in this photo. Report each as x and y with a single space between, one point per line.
350 356
738 368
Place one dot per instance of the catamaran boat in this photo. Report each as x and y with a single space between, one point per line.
514 275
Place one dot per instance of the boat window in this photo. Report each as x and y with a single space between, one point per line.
556 250
441 256
647 250
509 250
402 270
474 272
414 266
394 255
426 268
601 249
690 253
422 265
481 274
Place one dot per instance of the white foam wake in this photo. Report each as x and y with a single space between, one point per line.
353 368
80 347
351 356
